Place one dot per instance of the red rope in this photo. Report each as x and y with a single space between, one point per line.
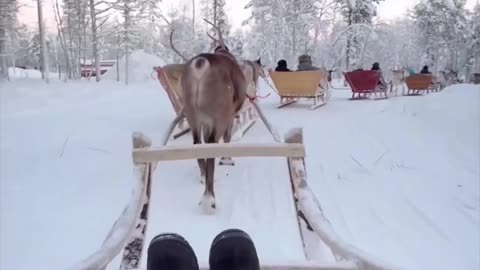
253 98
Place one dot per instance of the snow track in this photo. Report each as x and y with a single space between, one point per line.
248 197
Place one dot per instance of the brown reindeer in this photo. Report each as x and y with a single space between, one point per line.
213 89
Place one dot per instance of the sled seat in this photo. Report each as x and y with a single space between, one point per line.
420 82
364 83
292 86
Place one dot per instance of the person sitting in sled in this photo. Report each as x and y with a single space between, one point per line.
232 249
425 70
376 67
282 66
305 63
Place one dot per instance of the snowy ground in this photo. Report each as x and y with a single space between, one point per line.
398 178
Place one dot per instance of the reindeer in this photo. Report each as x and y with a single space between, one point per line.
252 70
397 79
213 89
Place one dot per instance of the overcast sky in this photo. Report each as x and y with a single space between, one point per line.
388 9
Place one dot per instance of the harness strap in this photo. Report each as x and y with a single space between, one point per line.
254 98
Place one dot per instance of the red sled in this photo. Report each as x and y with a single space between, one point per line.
364 83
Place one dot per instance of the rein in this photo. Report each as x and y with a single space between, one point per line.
254 98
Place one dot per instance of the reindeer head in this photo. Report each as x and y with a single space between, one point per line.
260 68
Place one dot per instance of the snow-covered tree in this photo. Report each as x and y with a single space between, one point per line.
128 29
443 31
358 14
98 17
214 11
8 21
475 40
286 29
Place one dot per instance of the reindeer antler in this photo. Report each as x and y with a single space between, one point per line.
175 49
220 37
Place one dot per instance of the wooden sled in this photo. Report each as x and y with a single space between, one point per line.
292 86
127 235
364 84
169 77
420 83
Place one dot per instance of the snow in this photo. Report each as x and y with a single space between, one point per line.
16 73
140 67
396 178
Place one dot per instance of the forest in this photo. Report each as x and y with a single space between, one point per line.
340 35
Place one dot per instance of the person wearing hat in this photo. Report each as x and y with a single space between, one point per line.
282 66
305 63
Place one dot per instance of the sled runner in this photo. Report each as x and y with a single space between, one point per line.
291 86
169 77
128 234
364 84
418 83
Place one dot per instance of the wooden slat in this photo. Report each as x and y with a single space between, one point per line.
175 152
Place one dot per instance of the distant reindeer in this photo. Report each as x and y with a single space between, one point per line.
213 89
447 78
252 70
397 79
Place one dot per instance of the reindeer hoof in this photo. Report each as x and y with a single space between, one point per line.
208 204
226 161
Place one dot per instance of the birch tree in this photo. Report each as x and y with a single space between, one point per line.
129 35
43 43
98 18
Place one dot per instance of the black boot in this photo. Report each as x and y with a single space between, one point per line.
171 252
233 249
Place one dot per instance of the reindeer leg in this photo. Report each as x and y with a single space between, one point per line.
226 139
201 162
208 199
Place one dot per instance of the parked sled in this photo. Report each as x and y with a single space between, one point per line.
169 77
418 83
292 86
365 83
127 236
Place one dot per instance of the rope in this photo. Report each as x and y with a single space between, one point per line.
253 98
268 83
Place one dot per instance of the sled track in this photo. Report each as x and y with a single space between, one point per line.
257 201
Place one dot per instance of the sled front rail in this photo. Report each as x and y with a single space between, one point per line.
166 153
127 235
297 265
